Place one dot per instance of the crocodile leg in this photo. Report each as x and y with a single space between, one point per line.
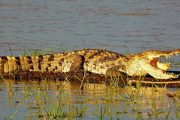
116 71
73 63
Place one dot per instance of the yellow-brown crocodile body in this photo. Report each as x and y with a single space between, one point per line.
93 60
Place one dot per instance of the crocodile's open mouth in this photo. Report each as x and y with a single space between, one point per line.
163 66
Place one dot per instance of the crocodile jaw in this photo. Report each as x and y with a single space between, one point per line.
147 63
163 67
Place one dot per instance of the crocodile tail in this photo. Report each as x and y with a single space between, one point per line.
8 64
48 63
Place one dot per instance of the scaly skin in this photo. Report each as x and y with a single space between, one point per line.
95 61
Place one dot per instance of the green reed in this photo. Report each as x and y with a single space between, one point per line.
129 99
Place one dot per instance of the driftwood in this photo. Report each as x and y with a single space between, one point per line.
82 77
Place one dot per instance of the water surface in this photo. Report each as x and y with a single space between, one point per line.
32 99
118 25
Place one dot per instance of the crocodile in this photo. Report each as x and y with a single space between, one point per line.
99 61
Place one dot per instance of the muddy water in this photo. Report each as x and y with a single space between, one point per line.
26 100
125 26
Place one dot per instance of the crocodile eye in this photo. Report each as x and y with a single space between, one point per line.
117 68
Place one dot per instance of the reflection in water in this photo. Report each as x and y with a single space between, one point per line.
123 102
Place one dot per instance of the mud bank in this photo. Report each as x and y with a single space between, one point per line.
83 77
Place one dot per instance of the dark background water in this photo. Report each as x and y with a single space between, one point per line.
118 25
